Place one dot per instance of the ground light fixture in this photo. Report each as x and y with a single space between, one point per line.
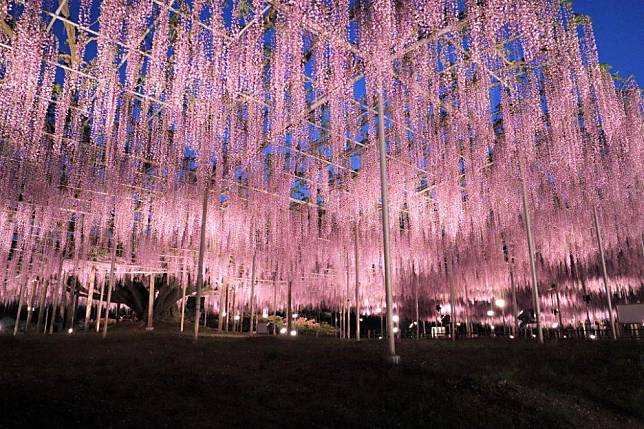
283 331
490 313
500 303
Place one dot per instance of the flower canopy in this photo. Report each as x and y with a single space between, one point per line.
117 115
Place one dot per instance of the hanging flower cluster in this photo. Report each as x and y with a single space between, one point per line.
115 118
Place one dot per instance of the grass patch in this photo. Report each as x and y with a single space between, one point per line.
161 379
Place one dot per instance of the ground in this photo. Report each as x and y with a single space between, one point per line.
138 379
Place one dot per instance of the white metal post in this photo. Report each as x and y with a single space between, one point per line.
252 292
151 292
385 229
110 285
533 268
202 249
600 244
515 307
357 266
90 298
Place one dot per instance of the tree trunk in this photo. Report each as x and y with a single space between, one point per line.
135 295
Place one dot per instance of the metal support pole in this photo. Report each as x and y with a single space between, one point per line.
452 304
227 308
515 306
202 249
274 301
233 309
417 309
222 306
90 297
57 292
348 317
341 320
22 288
533 268
42 304
252 292
183 296
357 264
100 304
289 317
385 229
110 285
600 244
150 325
30 305
71 306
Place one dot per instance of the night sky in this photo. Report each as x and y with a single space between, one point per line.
619 30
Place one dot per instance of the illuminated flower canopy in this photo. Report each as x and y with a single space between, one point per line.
115 115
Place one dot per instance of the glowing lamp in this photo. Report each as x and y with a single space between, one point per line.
500 303
283 331
490 313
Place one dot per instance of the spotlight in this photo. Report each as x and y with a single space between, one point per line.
490 313
555 325
395 318
511 337
500 303
593 336
293 333
236 317
534 336
295 315
361 319
395 329
70 330
378 310
283 331
380 338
